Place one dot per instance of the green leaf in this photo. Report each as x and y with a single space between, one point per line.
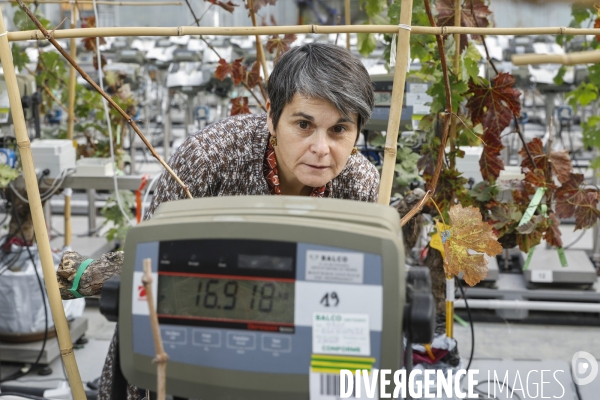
20 57
583 95
7 175
472 68
366 43
559 78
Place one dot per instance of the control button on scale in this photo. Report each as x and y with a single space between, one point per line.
174 335
241 341
276 343
202 337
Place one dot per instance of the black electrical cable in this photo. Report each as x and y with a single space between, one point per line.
462 291
20 374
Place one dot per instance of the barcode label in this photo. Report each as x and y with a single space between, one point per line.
327 387
330 385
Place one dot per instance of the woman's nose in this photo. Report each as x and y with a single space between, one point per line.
320 145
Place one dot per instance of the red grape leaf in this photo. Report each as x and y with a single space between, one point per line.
537 178
252 75
568 195
559 160
239 105
474 13
258 4
561 165
493 105
223 69
468 232
280 45
227 6
490 163
526 242
553 234
238 71
596 26
88 22
587 212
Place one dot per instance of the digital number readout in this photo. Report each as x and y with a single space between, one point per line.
226 298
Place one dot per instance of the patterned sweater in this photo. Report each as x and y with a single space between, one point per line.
226 159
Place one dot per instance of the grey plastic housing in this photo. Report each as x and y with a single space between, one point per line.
363 227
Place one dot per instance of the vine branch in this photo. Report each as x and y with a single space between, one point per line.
103 93
438 168
210 46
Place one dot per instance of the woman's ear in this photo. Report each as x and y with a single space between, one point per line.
269 120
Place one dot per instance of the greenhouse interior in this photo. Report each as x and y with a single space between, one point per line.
402 195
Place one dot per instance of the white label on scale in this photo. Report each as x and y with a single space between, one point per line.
343 334
334 266
541 276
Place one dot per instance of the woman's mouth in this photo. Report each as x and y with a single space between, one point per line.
317 167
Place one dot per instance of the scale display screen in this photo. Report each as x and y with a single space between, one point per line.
225 298
213 283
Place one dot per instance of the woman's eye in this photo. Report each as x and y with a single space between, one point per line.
339 129
303 125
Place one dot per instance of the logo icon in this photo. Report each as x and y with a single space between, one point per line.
584 368
141 292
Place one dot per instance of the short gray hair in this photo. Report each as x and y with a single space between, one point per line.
323 71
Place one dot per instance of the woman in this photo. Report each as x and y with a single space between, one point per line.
320 97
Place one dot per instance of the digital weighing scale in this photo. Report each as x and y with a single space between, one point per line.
268 297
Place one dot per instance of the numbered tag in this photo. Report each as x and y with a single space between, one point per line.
541 276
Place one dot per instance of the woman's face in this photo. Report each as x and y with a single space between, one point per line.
314 142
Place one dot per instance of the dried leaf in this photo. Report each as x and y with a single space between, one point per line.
474 14
596 26
228 6
468 232
280 45
239 105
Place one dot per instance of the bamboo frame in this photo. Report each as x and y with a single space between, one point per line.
71 122
260 51
391 138
584 57
39 224
282 30
348 22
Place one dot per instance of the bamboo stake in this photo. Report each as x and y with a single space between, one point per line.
260 52
161 357
106 96
400 70
37 215
70 124
348 22
585 57
453 122
282 30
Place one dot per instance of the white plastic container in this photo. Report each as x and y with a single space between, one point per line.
56 155
94 167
